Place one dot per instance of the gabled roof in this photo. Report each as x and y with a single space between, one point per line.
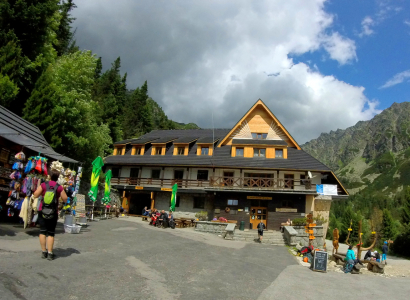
279 124
21 132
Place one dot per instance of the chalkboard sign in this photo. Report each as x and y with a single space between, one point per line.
320 261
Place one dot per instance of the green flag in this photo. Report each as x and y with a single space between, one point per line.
174 197
97 165
107 190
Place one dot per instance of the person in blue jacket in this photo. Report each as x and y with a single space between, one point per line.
385 249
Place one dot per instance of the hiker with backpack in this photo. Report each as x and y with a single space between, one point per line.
261 226
48 212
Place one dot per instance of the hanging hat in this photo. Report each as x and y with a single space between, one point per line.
56 166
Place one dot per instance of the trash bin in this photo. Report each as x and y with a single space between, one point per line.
242 226
69 220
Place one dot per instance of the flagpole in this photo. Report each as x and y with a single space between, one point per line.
213 135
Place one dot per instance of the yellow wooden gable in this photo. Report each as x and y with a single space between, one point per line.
259 119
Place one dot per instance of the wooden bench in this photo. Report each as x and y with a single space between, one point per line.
375 266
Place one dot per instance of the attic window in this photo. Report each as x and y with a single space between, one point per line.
259 136
259 152
158 150
205 151
137 151
279 153
180 151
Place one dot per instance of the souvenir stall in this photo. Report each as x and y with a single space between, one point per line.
27 178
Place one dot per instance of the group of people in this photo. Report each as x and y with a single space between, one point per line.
370 255
374 255
159 219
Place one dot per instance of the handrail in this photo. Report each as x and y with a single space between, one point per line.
223 182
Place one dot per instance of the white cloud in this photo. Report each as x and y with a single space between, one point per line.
396 79
366 26
340 48
407 22
210 56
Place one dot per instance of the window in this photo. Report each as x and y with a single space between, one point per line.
202 175
115 172
180 150
259 152
138 151
155 174
259 136
302 179
239 152
228 178
199 202
158 150
134 172
279 153
232 202
205 151
289 181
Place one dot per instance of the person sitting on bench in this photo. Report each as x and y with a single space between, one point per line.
171 220
145 212
163 219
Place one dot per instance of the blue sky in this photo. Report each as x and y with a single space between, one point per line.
381 54
332 62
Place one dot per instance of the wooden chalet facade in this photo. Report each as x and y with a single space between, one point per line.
256 169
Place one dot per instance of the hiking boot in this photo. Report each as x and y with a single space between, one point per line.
50 256
43 254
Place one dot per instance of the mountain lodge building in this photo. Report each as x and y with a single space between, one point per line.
254 171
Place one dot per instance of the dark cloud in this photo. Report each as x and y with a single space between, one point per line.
211 57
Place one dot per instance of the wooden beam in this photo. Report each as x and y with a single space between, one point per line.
198 150
133 150
285 153
123 151
115 151
233 152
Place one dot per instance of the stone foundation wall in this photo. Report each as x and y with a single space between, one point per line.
211 227
297 235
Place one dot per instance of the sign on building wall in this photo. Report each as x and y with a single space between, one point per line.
259 198
286 210
326 189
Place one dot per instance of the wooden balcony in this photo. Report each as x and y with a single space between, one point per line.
222 183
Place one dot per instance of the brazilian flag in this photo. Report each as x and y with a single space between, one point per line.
107 190
97 165
174 197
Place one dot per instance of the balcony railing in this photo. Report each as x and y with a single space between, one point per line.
222 182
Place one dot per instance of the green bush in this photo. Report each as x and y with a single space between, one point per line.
299 222
401 244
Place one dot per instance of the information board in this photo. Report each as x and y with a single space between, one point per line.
80 205
320 261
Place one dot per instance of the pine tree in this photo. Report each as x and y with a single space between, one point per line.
65 36
138 118
33 24
388 227
406 207
109 92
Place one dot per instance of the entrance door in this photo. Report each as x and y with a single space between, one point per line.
138 202
257 214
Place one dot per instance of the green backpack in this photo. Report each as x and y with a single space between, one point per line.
49 209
